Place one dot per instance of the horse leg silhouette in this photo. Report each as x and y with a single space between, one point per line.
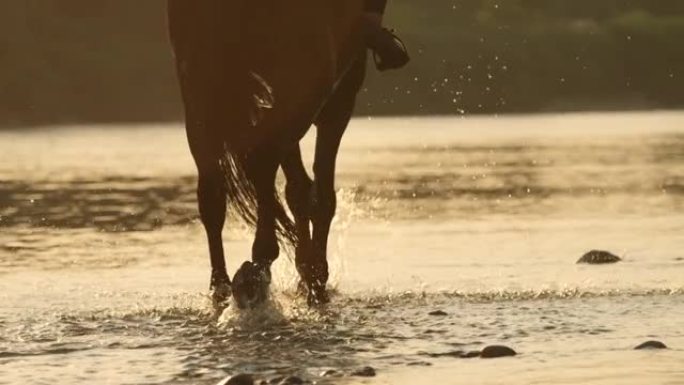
252 280
211 196
315 202
298 192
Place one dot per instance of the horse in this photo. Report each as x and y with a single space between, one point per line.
254 77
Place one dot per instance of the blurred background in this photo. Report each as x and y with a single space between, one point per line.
77 61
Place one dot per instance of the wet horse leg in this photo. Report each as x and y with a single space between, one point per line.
251 282
211 196
331 125
298 192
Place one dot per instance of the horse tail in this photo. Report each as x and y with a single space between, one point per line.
242 198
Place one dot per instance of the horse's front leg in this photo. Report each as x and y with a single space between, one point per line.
251 282
298 192
331 126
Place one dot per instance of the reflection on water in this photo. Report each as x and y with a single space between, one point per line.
424 181
102 256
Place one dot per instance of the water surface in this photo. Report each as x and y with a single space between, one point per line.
103 267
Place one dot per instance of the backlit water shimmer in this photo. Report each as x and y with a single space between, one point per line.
104 269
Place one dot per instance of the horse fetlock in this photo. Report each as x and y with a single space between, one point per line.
315 274
265 252
317 294
220 292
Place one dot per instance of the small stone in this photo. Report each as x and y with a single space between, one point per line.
238 379
599 257
651 345
453 353
438 313
472 354
292 380
366 371
331 373
497 351
419 363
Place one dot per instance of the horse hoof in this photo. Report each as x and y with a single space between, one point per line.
220 295
250 285
317 297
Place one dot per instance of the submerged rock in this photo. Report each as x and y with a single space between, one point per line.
454 353
331 373
366 371
651 345
497 351
438 313
292 380
238 379
472 354
419 363
599 257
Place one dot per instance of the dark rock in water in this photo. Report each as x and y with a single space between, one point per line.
239 379
472 354
331 373
497 351
438 313
599 257
419 363
276 380
454 353
292 380
651 345
364 372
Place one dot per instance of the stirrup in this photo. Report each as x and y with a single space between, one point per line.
390 57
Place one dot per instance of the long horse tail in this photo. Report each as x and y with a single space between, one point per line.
242 198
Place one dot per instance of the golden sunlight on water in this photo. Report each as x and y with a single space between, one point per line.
103 267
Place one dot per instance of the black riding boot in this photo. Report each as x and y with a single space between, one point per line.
389 51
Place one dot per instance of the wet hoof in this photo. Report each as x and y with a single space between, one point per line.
316 295
599 257
651 345
497 351
239 379
366 371
250 285
220 295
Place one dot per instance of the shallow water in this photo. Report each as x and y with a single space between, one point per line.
103 268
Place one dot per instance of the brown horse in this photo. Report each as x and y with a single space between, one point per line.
255 76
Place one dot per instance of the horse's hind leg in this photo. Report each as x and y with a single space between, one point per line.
251 282
211 196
